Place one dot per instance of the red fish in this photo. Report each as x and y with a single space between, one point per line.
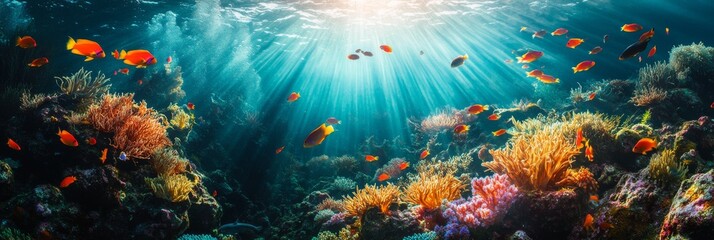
548 79
591 96
386 48
139 58
631 27
652 51
647 35
594 198
477 108
574 42
529 56
559 31
67 139
588 224
583 66
644 145
25 42
124 71
712 105
215 193
67 181
190 106
525 66
83 47
494 117
403 165
103 158
579 139
293 97
353 56
140 81
589 151
279 150
91 141
534 73
13 145
383 177
370 158
499 132
318 135
461 128
38 62
424 154
595 50
169 59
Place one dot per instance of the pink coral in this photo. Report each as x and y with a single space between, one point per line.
492 197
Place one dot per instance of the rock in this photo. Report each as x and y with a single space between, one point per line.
547 215
519 235
396 225
205 212
691 215
7 181
96 188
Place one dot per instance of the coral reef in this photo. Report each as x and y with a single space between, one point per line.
369 197
82 85
491 200
174 188
691 214
430 188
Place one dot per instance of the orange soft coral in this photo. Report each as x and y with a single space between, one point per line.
430 188
369 197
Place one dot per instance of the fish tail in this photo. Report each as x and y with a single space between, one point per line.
122 55
17 43
485 107
466 56
71 43
519 59
575 69
329 130
557 80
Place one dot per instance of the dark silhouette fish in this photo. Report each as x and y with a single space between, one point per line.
236 227
634 49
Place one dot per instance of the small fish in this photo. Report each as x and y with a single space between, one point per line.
13 145
458 61
38 62
631 27
424 154
368 54
652 51
525 66
461 128
547 79
383 177
87 48
644 145
579 139
523 29
124 71
91 141
115 72
215 193
358 50
403 165
477 108
588 224
140 82
639 59
318 135
333 121
574 42
67 181
140 58
370 158
666 31
67 139
594 198
591 96
559 31
605 225
353 56
589 151
421 52
509 61
386 48
595 50
634 49
494 117
647 35
279 150
499 132
583 66
169 59
190 106
53 119
711 105
123 156
26 42
293 97
529 56
534 73
103 158
604 38
539 34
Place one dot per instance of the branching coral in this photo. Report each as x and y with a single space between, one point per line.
492 197
81 84
32 101
175 188
664 168
167 161
443 119
179 118
110 114
648 96
369 197
331 204
431 187
567 123
696 60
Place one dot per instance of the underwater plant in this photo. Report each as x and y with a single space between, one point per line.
441 120
371 196
581 178
331 204
167 161
13 233
82 85
648 96
32 101
430 188
174 188
664 168
180 120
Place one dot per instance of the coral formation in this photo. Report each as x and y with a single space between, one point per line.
369 197
174 188
691 214
430 188
664 168
82 85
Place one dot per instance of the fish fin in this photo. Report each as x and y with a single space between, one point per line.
71 43
75 51
485 107
88 59
466 56
17 43
574 69
519 59
557 80
328 130
122 55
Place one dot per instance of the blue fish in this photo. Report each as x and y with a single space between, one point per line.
122 156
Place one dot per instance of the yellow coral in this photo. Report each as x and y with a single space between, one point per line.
664 168
175 188
167 161
181 120
568 123
369 197
431 187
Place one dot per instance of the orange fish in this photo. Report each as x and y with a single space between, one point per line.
594 198
548 79
666 31
25 42
631 27
525 66
534 73
461 128
279 150
67 139
589 151
87 48
559 31
67 181
647 35
499 132
579 139
139 58
386 48
595 50
652 51
12 144
103 158
124 71
190 106
523 29
588 224
574 42
583 66
140 81
383 177
403 165
477 108
530 56
494 117
169 59
318 135
215 193
424 154
38 62
644 145
591 96
370 158
293 97
353 56
91 141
